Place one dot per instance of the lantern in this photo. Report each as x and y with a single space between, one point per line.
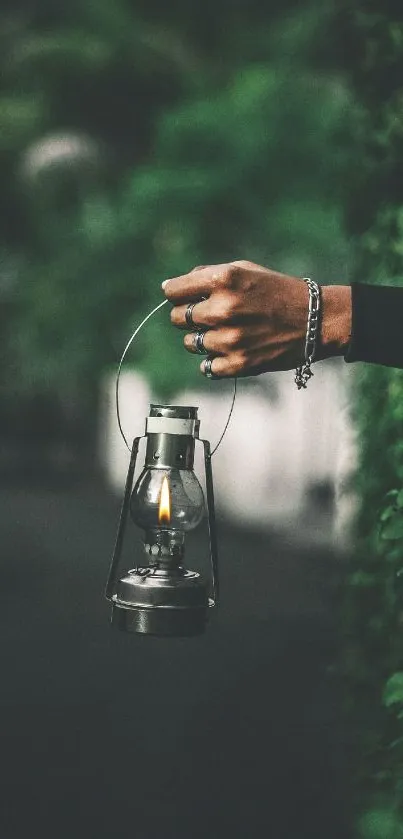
160 596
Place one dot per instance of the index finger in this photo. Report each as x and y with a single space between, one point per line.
194 285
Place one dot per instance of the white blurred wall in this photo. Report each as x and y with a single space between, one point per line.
281 442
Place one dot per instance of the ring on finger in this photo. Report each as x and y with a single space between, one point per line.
207 369
198 342
189 316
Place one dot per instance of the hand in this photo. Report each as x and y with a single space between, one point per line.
254 318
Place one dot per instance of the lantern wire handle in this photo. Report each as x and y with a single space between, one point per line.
227 423
125 351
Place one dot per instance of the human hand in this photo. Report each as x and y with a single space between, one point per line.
254 319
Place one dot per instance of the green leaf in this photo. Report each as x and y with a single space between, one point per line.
387 513
391 495
393 692
393 528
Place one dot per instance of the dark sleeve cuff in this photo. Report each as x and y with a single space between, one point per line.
377 325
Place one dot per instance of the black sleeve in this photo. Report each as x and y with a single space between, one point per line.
377 325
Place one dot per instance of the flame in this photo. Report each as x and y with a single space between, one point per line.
164 512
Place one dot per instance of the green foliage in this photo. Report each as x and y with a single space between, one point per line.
393 693
235 169
381 823
374 610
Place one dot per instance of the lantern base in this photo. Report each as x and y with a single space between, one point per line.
158 601
160 620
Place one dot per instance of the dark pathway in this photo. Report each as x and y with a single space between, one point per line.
236 734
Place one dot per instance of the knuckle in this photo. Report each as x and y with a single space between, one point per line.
218 280
236 364
242 263
235 338
225 308
223 313
242 359
235 276
228 275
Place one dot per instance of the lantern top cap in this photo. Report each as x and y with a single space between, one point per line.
173 411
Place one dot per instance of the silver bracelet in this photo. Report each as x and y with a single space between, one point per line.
303 373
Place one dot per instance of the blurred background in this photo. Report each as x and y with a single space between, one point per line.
139 139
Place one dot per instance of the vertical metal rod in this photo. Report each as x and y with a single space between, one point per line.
211 521
122 521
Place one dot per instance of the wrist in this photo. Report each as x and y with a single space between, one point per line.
335 333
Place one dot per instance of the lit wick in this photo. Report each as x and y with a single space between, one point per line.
164 513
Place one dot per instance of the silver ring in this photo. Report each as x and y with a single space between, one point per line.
207 369
188 316
198 342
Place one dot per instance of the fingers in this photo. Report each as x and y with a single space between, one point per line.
224 349
212 342
201 315
213 312
215 341
222 368
197 283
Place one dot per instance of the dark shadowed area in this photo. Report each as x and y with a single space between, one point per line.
237 733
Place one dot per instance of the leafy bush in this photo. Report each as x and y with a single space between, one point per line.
374 607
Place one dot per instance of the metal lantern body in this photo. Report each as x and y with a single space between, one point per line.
161 596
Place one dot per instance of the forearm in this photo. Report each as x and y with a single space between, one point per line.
362 323
336 320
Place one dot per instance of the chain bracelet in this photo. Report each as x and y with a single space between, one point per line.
303 373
